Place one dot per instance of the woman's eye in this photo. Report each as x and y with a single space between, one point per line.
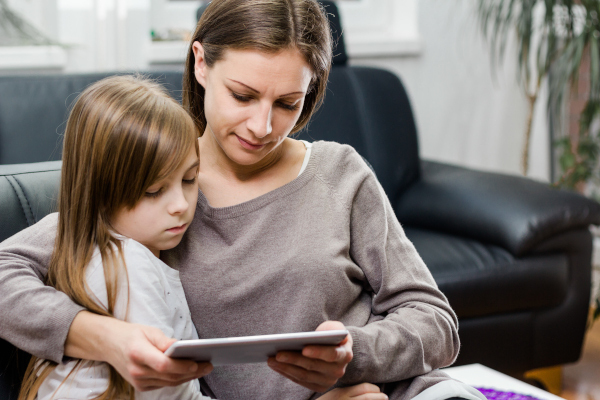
240 98
289 107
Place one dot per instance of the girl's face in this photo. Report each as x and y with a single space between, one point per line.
252 100
161 217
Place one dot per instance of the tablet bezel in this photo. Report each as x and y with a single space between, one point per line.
250 349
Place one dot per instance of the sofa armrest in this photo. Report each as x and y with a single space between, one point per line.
509 211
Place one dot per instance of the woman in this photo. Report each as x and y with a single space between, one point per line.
286 235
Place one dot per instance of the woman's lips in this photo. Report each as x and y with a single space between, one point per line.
177 229
247 145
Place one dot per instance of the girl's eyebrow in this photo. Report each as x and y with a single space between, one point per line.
194 165
256 91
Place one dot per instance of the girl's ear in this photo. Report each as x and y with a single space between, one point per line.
199 64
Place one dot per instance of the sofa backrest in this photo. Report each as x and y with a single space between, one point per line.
369 109
28 192
34 111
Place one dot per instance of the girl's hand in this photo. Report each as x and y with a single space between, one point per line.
135 351
364 391
318 367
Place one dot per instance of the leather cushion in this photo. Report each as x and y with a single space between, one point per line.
481 280
28 192
509 211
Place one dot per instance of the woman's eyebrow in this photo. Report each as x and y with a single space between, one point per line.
256 91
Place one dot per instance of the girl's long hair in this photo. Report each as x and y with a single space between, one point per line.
124 134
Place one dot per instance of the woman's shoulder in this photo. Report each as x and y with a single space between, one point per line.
341 170
41 234
340 160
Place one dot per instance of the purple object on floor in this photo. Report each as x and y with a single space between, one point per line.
492 394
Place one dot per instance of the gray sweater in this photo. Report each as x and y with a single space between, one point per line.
326 246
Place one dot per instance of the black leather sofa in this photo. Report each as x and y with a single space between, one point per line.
512 255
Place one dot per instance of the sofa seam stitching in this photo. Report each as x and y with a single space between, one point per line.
30 172
26 200
20 199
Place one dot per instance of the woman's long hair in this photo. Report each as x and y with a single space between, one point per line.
264 25
124 134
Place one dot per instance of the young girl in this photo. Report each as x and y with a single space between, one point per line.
128 190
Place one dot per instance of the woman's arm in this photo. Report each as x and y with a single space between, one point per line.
34 317
413 329
317 368
46 323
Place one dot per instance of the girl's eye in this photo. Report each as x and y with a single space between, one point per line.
240 98
190 181
153 194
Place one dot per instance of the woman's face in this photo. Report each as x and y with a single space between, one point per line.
252 100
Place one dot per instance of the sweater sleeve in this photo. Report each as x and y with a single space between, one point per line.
412 329
35 317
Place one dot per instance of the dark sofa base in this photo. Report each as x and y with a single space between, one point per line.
521 341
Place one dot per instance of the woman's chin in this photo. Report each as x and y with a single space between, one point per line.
242 156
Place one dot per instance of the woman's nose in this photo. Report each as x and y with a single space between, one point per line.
260 122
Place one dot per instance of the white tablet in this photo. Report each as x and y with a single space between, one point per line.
250 349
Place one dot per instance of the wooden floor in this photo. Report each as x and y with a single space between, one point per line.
581 381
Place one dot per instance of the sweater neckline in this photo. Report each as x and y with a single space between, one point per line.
262 200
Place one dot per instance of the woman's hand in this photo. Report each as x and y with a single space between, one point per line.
135 351
364 391
318 367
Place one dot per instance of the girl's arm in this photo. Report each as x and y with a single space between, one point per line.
151 297
136 351
46 323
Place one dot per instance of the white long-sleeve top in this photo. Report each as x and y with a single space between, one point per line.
156 298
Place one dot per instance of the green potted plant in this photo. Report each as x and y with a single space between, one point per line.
554 38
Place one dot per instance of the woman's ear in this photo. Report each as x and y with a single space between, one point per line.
199 63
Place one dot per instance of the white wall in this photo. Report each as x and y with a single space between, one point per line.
465 116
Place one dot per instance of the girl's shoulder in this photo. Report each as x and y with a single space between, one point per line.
135 252
140 263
